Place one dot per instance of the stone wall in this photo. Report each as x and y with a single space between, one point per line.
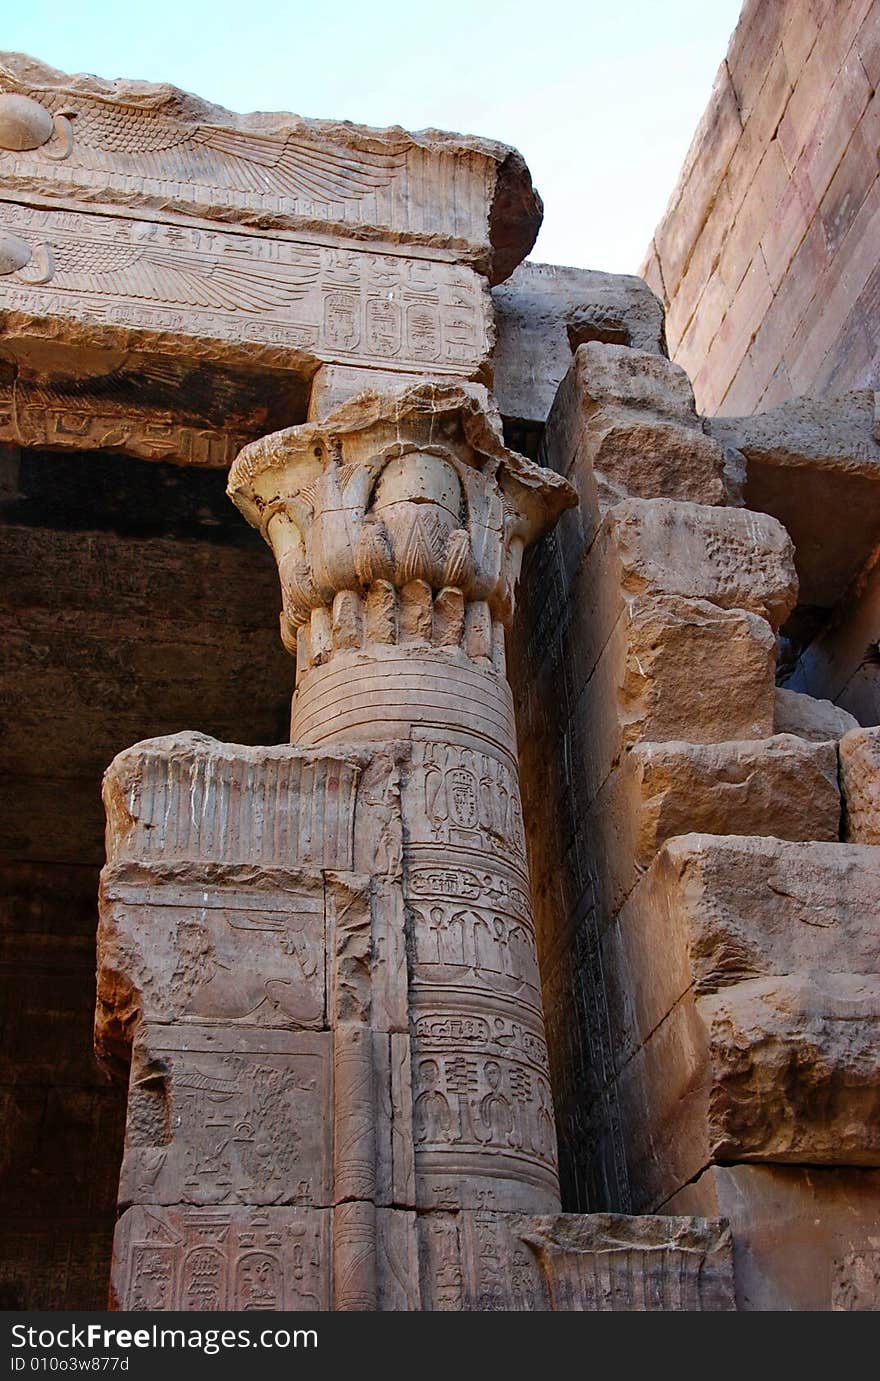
706 939
766 257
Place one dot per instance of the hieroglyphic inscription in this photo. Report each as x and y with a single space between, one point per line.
41 417
210 1260
223 1115
491 1261
293 296
466 795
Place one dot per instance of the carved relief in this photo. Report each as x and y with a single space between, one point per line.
420 527
222 1259
192 281
183 951
26 125
45 417
477 1103
462 796
189 797
132 143
491 1261
245 1122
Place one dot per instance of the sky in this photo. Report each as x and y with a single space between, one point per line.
600 96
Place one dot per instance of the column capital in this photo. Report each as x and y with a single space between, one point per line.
399 517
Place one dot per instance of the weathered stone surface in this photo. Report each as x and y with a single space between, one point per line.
695 671
189 797
860 783
623 422
732 558
137 144
613 375
780 786
820 721
253 949
220 1115
654 460
544 312
814 463
745 997
804 1238
574 1262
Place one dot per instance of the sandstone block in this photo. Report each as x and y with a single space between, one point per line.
814 463
652 459
733 558
543 312
623 423
804 1239
820 721
696 672
589 1263
250 946
782 787
615 375
671 669
744 982
860 782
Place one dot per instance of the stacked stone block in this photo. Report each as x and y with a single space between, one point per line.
678 831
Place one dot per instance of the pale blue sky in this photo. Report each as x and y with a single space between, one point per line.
601 96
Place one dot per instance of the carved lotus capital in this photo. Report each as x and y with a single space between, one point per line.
397 496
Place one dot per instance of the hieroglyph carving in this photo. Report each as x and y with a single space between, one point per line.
42 417
210 1260
225 1116
323 300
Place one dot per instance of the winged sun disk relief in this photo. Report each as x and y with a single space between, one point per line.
109 137
176 277
31 264
25 125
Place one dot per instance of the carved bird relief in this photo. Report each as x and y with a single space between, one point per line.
111 137
161 274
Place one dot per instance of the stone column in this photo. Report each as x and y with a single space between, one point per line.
398 524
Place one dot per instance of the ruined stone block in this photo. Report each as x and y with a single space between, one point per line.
695 671
744 985
814 463
781 786
543 312
733 558
820 721
860 783
805 1238
623 423
652 460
